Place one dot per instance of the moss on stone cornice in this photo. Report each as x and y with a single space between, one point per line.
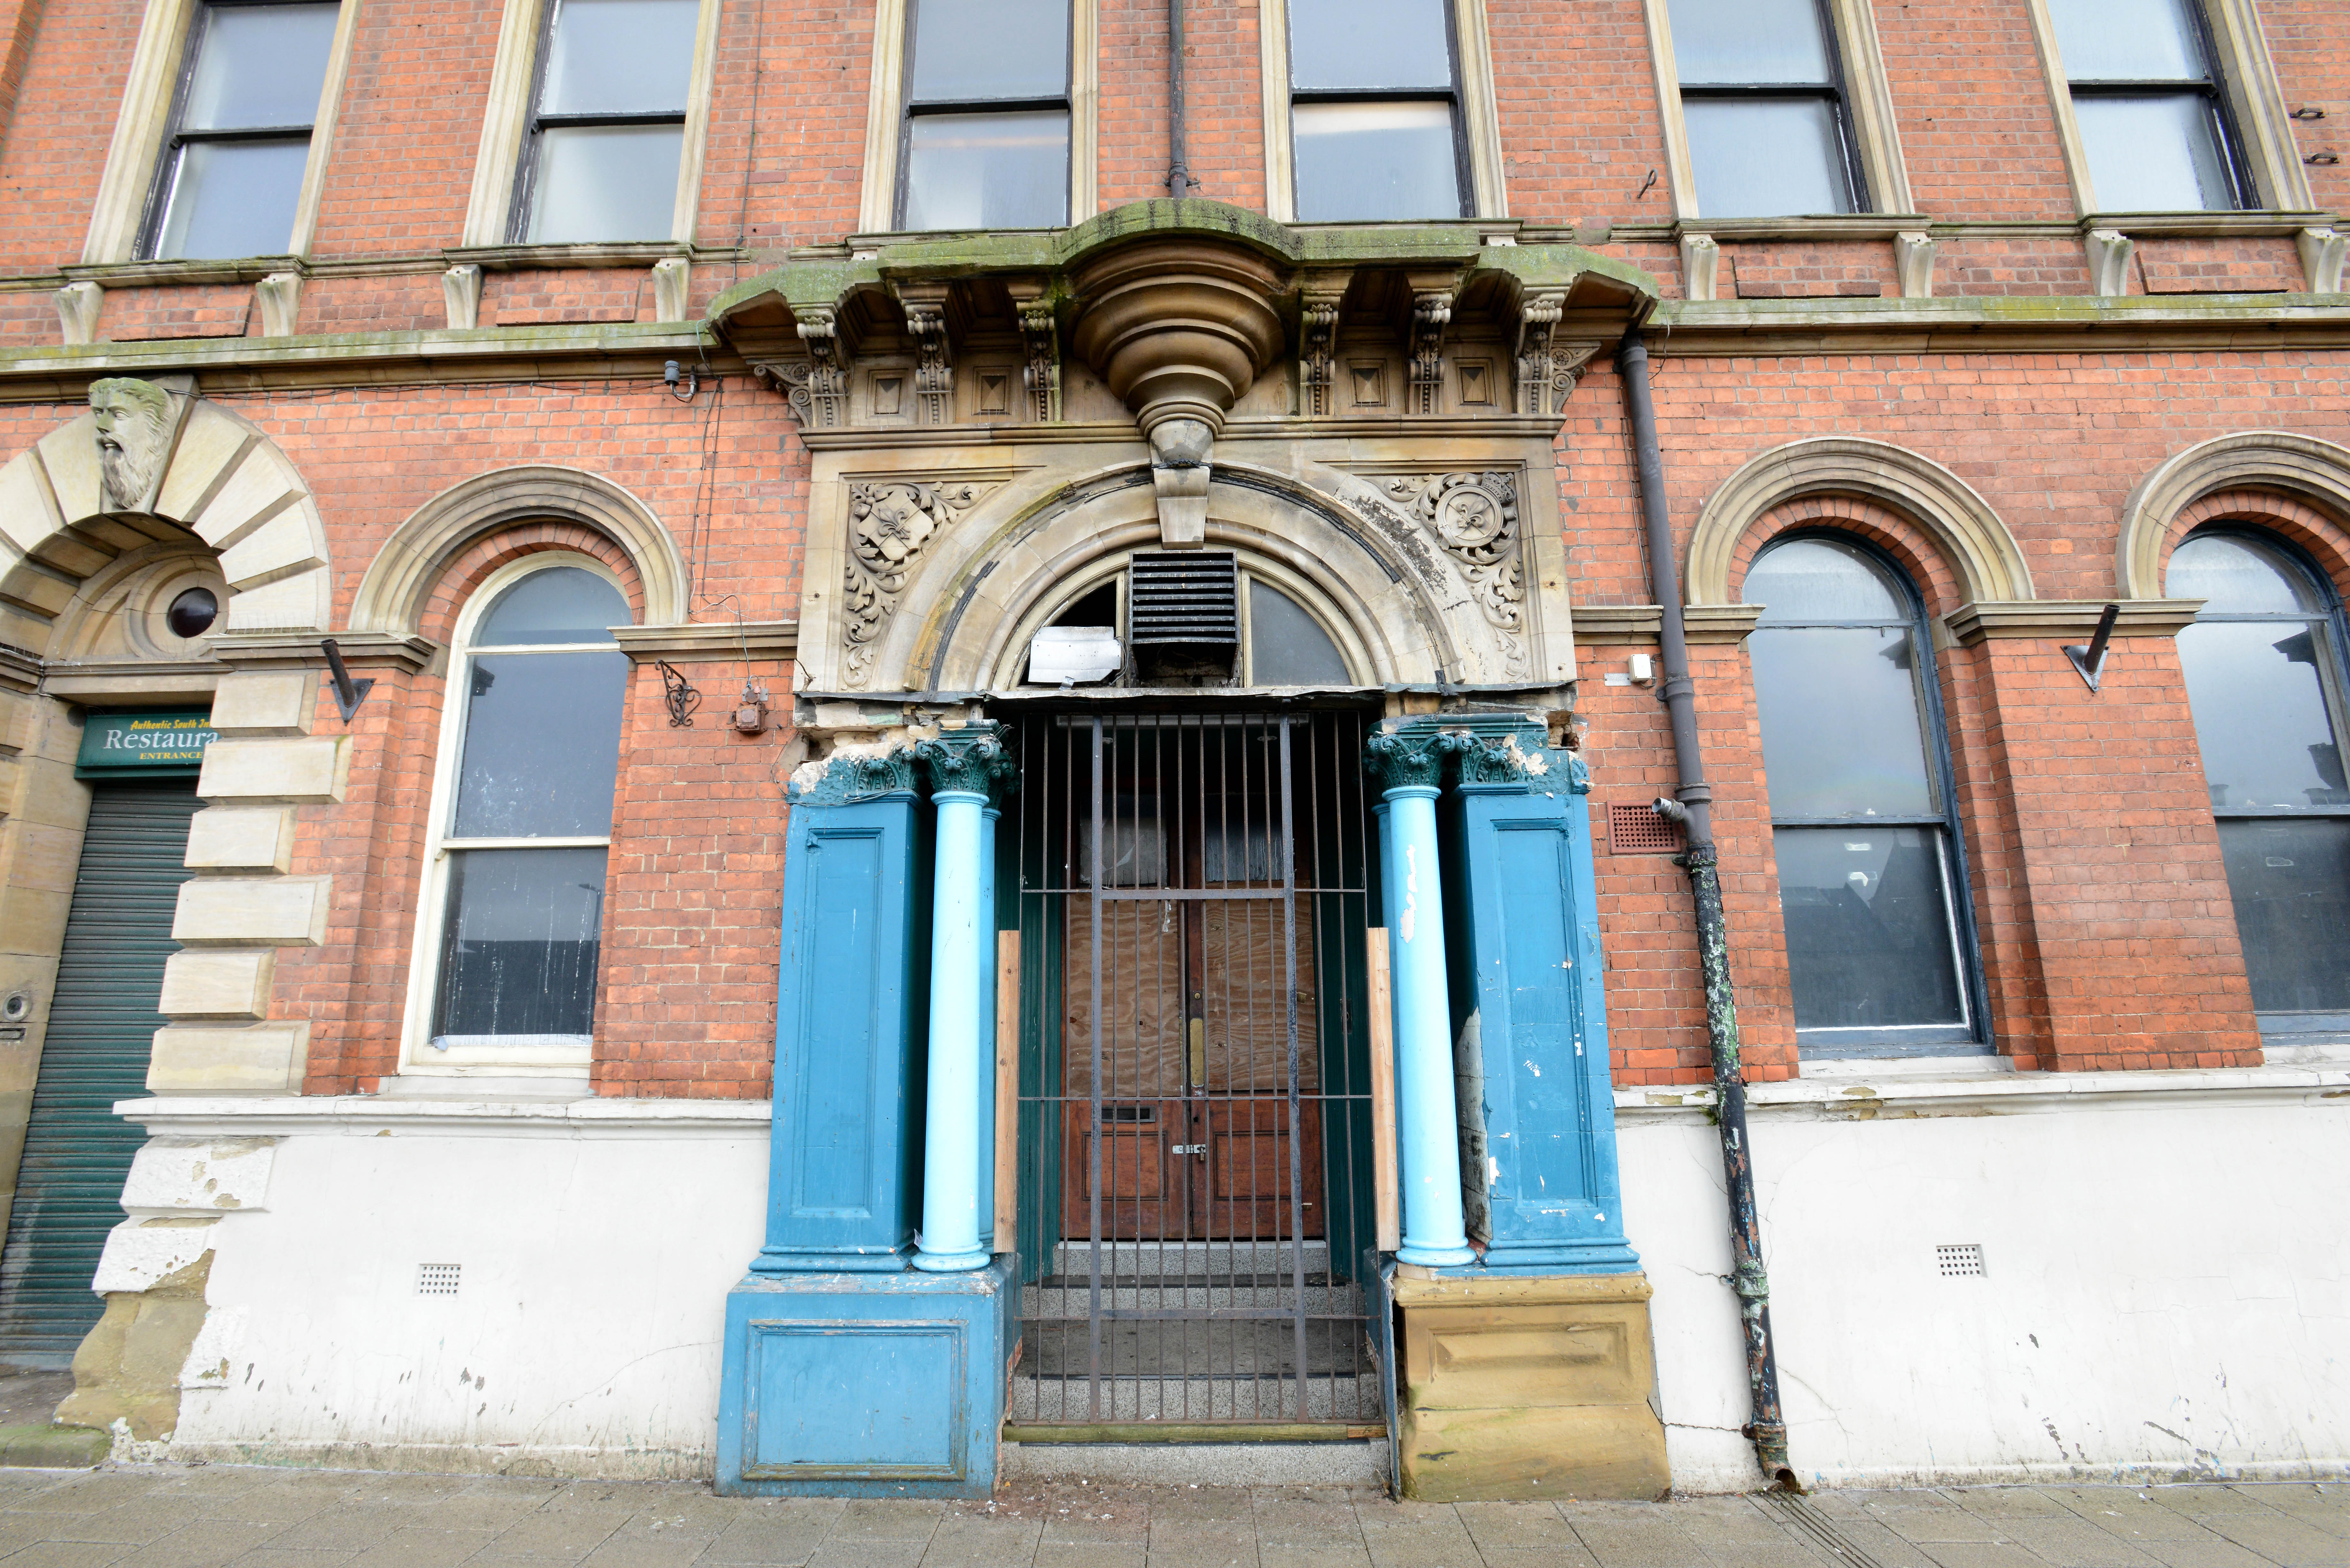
824 282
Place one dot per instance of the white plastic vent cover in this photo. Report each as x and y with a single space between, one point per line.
1962 1259
437 1279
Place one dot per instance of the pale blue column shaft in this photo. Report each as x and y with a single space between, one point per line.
984 1117
950 1208
1428 1127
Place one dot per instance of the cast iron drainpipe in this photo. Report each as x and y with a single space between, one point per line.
1694 812
1179 182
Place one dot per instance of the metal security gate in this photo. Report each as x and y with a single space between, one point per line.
1194 1101
102 1021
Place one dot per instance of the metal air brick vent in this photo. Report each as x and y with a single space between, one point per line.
1186 601
1638 830
1962 1261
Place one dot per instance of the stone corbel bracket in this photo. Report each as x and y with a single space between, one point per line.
935 320
1179 305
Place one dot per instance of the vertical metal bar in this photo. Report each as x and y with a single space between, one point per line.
1289 997
1094 1220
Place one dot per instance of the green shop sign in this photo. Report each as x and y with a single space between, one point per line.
118 743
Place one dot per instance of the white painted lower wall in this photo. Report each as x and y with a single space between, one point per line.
596 1242
2166 1294
2165 1291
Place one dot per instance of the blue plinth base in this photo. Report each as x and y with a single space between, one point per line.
859 1385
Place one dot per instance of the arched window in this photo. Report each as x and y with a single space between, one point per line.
1879 953
513 903
2264 665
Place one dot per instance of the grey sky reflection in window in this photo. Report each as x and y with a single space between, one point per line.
2264 682
1375 113
542 745
240 144
1288 647
987 115
1763 107
561 604
1860 830
2148 103
608 134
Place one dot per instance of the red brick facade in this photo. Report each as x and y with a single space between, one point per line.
2107 938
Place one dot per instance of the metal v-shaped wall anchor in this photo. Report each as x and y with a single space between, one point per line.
348 693
2090 661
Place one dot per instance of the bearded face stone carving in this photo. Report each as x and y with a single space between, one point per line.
134 429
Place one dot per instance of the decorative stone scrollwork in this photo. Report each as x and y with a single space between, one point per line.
847 778
933 363
1474 516
1399 759
890 526
1316 357
969 758
1042 373
1493 760
1546 374
818 390
1431 311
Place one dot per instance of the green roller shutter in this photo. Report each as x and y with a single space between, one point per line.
102 1021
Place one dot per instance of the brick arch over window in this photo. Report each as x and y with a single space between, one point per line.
2165 504
414 565
1916 552
1967 534
474 565
212 475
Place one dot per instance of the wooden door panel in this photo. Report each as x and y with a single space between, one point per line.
1144 1182
1244 1184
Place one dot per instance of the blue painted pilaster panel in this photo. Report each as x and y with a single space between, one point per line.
840 1183
1553 1196
866 1384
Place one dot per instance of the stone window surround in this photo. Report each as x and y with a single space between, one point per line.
885 113
416 1058
1868 101
505 124
140 127
1479 114
2248 79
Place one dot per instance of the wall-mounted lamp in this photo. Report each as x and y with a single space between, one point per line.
2090 660
348 693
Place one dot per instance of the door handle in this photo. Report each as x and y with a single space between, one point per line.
1198 1148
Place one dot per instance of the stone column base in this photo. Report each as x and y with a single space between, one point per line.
1534 1386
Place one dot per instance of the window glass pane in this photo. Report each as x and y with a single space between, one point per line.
988 171
1868 928
620 57
2153 154
1369 161
1819 580
1766 158
259 64
518 949
1747 41
604 183
966 50
1357 44
542 745
2256 688
2291 886
2240 577
562 604
1842 727
2126 40
232 199
1288 647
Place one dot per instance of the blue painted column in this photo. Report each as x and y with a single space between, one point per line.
1407 766
964 765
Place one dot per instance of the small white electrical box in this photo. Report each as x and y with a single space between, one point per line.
1644 670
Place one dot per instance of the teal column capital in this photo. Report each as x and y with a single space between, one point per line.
968 759
1409 758
853 778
